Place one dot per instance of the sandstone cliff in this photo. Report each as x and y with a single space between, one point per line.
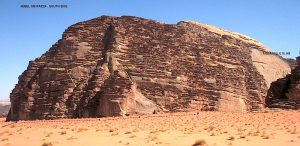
111 66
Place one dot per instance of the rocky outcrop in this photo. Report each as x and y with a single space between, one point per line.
4 108
111 66
285 92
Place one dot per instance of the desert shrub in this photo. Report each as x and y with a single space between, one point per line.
231 138
63 132
47 144
199 142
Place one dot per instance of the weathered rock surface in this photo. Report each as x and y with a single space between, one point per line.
285 92
111 66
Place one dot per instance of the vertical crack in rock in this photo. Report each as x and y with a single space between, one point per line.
119 95
90 99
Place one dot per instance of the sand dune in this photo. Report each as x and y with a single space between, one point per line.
279 128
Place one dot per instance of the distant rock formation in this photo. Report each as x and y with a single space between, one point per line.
285 92
292 63
4 108
112 66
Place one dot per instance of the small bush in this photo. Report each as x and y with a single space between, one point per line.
47 144
199 142
242 136
128 132
266 137
231 138
4 139
82 129
63 132
294 131
98 130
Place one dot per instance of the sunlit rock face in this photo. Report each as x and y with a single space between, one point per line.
112 66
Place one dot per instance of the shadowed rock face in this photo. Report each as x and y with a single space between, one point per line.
111 66
285 92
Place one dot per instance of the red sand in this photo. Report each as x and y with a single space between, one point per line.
279 128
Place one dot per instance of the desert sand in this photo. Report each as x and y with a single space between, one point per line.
274 128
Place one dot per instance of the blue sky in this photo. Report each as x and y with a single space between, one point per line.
27 33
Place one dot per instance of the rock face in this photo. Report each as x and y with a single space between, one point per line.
285 92
111 66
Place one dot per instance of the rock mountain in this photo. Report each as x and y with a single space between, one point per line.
112 66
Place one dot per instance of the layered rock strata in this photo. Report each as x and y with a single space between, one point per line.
111 66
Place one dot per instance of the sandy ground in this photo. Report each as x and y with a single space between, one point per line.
280 128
